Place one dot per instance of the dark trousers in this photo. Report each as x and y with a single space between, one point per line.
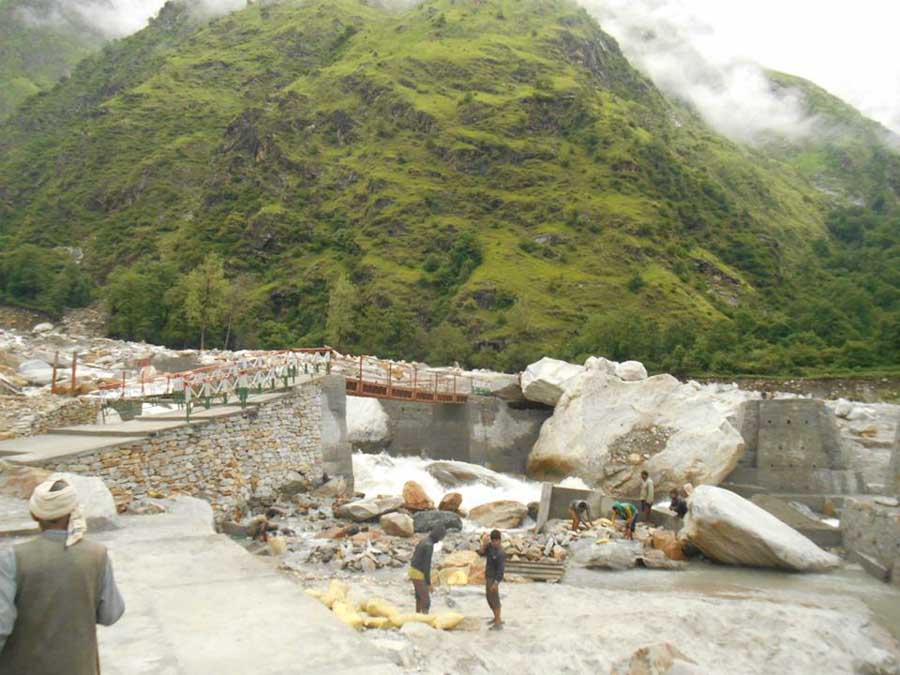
493 596
423 596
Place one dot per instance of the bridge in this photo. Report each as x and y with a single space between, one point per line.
258 372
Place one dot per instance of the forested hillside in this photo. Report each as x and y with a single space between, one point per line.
480 181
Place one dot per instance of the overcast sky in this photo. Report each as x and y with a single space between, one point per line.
850 48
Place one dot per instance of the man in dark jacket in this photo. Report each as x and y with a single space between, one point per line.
420 569
494 564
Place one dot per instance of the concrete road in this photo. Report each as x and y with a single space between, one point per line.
199 604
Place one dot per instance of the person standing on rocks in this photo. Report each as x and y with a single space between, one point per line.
54 589
646 495
494 565
420 569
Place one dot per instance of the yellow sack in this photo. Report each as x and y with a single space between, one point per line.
348 615
448 620
603 541
400 620
314 593
380 608
453 576
376 622
337 590
278 546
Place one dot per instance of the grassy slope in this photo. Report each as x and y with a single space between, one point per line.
302 139
33 57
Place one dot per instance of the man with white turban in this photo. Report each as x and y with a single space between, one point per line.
54 589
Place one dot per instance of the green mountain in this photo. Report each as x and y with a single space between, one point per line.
484 180
41 41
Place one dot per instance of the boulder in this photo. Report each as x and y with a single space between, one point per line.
425 521
533 510
336 487
631 371
368 509
293 483
660 659
503 514
415 497
730 529
606 431
43 328
454 474
367 423
545 380
97 503
397 524
451 502
36 371
617 554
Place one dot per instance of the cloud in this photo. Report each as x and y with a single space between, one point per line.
115 18
677 50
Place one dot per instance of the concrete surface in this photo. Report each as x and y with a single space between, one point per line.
555 502
821 534
793 445
33 449
199 604
484 430
131 428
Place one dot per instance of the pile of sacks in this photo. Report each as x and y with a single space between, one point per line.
377 614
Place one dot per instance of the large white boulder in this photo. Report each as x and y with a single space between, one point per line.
367 422
732 530
606 430
545 380
36 371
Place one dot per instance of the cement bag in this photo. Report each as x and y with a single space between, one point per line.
337 590
448 620
402 619
347 614
377 622
453 576
314 593
278 546
380 608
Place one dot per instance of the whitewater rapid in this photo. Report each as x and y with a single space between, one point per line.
385 475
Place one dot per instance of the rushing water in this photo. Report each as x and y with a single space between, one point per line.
385 475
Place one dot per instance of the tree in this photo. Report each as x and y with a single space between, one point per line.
446 344
241 309
134 300
339 323
205 292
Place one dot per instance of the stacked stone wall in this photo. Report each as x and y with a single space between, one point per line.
226 460
29 416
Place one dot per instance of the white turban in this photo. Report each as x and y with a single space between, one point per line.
47 505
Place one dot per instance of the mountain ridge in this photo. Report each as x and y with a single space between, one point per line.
492 179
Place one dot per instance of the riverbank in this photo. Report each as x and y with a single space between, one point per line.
723 619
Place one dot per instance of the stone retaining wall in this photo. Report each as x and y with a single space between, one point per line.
24 416
230 459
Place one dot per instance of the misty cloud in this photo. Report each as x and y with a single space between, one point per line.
674 48
115 18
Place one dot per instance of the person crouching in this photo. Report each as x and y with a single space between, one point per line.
420 569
